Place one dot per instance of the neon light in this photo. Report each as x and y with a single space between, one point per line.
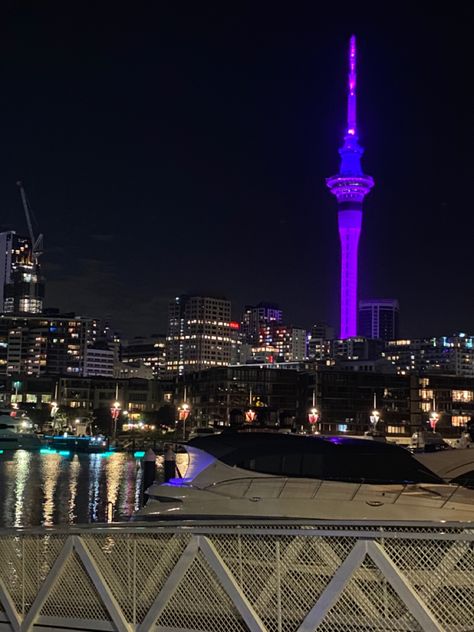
64 452
1 451
350 186
139 454
47 451
234 325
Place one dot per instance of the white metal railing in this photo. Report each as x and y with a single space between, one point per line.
222 576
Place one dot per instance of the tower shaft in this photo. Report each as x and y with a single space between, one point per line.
350 186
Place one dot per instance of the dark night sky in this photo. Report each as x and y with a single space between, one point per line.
166 151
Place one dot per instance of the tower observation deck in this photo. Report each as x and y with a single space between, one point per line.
350 186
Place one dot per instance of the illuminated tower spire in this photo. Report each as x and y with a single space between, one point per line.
350 186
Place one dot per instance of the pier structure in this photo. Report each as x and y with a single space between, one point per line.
258 576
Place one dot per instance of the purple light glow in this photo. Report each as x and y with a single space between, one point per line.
350 223
350 186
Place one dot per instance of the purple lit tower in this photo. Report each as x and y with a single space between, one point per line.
350 186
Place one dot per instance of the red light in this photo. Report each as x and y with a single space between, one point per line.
234 325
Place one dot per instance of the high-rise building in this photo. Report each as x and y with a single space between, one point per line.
42 345
198 334
21 283
350 186
379 318
257 316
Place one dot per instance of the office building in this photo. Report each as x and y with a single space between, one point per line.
147 352
257 316
379 318
319 341
350 186
99 360
198 334
280 343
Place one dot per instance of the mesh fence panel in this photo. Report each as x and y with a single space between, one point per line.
74 595
369 603
200 603
281 570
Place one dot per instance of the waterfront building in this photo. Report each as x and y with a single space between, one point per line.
198 334
85 394
443 354
379 318
222 395
345 400
257 316
21 282
350 186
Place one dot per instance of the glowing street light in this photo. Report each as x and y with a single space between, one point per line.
374 418
313 418
183 414
250 416
433 420
115 412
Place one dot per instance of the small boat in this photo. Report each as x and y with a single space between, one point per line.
87 444
17 431
427 441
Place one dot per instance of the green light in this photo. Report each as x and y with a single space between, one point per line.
1 451
139 454
64 452
47 451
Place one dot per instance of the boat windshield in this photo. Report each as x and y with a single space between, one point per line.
327 458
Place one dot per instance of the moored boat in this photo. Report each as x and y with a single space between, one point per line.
273 475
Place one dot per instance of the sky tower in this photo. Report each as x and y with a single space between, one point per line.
350 186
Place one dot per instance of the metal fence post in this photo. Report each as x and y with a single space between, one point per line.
278 584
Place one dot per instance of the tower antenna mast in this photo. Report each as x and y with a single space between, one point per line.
36 244
351 96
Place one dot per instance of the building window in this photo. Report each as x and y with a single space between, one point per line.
463 396
459 420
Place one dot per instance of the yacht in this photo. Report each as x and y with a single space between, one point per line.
17 432
272 475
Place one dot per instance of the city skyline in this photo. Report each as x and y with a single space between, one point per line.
162 155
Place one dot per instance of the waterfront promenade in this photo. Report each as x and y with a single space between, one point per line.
238 576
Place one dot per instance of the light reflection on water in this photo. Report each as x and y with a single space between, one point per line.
46 489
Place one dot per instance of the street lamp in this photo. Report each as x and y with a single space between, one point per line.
374 418
313 418
184 411
250 416
433 420
115 412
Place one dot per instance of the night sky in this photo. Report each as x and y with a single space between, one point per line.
170 150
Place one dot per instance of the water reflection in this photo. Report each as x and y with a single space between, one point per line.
47 489
50 467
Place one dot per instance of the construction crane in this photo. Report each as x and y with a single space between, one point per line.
36 244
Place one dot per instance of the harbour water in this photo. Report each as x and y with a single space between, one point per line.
52 489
